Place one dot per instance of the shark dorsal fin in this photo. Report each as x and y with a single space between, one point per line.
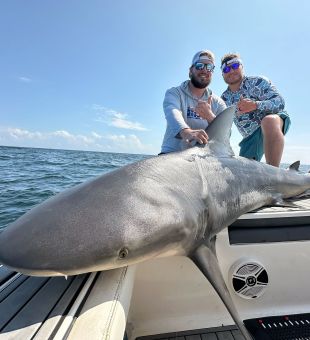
294 166
220 128
219 131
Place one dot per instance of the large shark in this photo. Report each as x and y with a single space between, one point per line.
168 205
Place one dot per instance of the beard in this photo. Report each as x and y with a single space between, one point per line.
198 83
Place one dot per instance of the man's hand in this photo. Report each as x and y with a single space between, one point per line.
190 135
246 105
203 109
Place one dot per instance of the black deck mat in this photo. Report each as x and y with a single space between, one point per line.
13 303
34 307
214 333
52 323
5 274
288 327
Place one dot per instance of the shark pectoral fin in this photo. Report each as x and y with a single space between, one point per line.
205 259
304 194
278 201
285 204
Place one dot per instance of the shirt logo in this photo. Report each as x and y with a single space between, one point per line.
191 113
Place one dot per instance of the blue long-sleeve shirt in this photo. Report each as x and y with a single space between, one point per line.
267 97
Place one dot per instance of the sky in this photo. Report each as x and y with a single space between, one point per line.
92 74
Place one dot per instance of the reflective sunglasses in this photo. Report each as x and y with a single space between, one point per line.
201 66
233 66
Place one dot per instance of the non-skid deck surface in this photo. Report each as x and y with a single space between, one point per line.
34 307
218 333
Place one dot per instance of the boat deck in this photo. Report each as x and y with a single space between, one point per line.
35 307
216 333
47 308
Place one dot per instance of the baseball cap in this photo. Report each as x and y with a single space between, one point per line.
203 56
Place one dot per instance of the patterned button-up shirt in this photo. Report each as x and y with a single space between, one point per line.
267 97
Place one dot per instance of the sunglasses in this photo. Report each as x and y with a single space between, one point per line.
233 66
201 66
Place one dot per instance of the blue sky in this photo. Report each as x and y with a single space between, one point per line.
91 75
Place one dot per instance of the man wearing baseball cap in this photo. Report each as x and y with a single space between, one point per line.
191 107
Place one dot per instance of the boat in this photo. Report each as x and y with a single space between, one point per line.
264 258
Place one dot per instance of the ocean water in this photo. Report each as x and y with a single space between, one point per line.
29 176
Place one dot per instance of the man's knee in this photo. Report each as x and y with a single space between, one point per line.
272 123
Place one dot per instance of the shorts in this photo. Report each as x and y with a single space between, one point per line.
252 147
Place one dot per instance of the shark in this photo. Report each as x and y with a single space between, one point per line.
168 205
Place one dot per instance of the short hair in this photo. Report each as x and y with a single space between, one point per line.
228 57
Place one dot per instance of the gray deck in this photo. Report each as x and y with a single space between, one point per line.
34 307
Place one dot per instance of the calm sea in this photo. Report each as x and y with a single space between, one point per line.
29 176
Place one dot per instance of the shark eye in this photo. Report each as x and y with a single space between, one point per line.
123 253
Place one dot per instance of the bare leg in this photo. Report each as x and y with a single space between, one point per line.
273 139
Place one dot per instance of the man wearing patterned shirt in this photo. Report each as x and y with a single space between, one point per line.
260 115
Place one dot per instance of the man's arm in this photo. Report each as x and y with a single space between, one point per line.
173 113
176 122
268 99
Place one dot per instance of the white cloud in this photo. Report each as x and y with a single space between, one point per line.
96 135
126 124
63 134
73 139
25 79
62 139
126 142
17 133
117 119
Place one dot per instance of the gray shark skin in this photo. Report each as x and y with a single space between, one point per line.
163 206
